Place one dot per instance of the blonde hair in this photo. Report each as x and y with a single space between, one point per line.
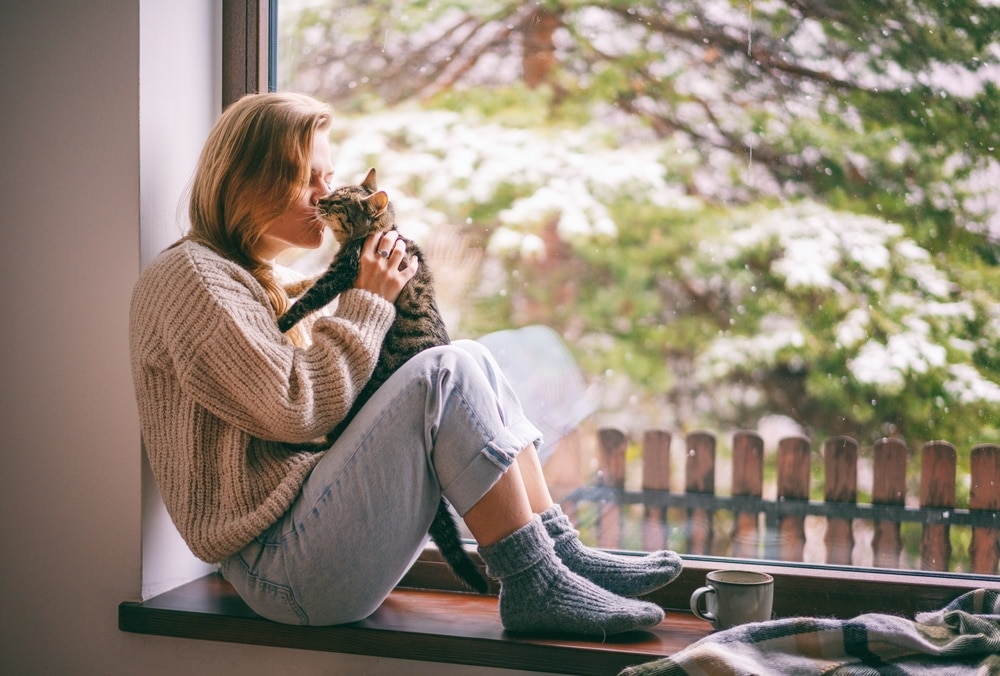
254 167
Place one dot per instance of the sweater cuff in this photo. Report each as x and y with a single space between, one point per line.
367 310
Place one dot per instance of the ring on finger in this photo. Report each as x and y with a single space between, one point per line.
383 254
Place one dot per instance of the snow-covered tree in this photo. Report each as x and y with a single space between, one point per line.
738 208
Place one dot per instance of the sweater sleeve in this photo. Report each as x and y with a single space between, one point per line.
222 338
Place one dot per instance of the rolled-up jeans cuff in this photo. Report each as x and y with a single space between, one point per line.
490 464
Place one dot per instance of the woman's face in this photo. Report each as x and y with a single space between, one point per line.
299 226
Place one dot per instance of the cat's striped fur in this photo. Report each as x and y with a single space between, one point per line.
353 212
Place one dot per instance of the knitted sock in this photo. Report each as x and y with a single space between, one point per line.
622 574
538 593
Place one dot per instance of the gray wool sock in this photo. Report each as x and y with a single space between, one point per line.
539 594
618 573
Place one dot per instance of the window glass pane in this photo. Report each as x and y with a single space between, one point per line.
677 221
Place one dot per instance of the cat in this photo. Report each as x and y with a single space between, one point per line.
353 212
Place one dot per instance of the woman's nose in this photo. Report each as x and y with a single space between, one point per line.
317 191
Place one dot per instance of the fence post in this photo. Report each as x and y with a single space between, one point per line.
888 488
984 549
700 478
655 477
612 444
748 481
937 489
840 470
793 484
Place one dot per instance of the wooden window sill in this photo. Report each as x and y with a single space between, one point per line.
427 619
415 624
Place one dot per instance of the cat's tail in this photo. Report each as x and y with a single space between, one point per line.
444 532
290 318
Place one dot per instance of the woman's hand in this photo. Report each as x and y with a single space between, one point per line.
381 256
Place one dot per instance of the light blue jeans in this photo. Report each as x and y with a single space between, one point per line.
446 422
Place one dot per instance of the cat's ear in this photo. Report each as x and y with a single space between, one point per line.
378 201
369 182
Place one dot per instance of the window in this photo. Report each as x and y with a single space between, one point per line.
736 216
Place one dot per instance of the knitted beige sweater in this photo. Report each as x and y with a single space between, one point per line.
220 390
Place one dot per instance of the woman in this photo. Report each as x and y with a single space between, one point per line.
322 538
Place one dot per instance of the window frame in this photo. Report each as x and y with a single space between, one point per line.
246 53
800 589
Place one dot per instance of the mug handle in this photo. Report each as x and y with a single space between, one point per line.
698 612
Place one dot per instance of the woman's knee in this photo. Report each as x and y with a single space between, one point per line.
480 353
485 360
454 358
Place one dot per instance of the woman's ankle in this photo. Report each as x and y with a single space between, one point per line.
538 593
624 574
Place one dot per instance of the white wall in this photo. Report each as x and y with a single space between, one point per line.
178 53
103 104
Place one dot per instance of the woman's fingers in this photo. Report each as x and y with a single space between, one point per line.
389 243
372 245
382 256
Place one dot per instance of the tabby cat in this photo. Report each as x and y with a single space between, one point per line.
353 212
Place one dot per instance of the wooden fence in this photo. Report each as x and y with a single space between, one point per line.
775 529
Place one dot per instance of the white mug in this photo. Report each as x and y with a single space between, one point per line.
734 597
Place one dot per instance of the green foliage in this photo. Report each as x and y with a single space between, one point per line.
860 129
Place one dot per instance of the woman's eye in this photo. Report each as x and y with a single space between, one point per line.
324 182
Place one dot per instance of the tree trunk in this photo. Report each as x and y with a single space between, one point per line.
539 57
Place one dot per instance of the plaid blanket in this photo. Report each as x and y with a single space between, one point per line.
961 639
